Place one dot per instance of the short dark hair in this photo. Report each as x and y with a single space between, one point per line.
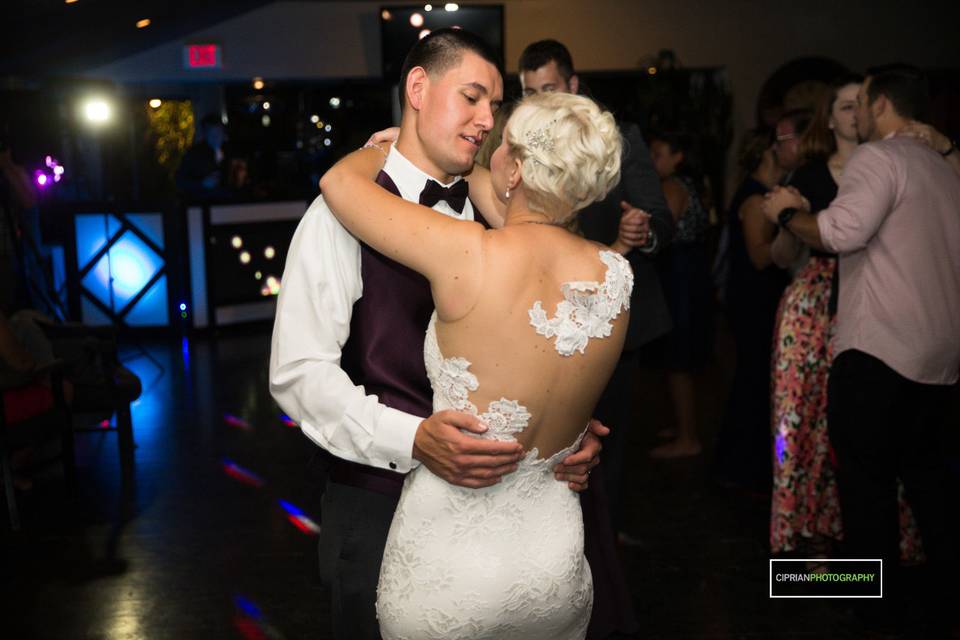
904 85
441 50
682 142
543 52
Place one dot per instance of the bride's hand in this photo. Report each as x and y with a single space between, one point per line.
384 136
575 468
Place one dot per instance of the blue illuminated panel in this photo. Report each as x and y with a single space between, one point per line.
151 307
124 270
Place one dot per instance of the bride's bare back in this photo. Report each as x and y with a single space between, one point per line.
559 153
524 264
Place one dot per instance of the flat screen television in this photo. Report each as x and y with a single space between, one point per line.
402 25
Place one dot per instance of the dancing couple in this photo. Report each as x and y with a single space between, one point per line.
456 293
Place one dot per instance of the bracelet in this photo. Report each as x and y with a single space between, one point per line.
786 215
950 149
371 145
650 244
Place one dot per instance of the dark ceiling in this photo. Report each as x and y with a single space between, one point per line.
51 37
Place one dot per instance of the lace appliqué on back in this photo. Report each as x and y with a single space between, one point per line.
588 308
453 381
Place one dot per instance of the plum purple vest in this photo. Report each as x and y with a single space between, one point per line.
384 352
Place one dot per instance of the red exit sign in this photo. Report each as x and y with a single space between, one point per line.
202 56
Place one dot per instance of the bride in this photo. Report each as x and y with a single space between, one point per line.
529 323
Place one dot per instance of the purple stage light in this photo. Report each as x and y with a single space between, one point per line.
45 179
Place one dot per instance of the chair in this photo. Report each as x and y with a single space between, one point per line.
88 357
33 429
108 391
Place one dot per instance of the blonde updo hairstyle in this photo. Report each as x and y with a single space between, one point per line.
569 150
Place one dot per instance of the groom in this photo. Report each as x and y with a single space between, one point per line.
349 316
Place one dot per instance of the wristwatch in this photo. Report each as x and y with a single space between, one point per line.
786 215
950 149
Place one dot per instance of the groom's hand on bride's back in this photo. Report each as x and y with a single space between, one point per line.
461 459
575 469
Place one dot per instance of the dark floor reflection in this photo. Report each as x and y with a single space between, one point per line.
215 534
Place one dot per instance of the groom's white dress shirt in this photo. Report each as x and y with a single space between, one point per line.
321 282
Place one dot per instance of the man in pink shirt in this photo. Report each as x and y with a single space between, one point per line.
895 224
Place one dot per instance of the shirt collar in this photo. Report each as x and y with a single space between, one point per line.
408 177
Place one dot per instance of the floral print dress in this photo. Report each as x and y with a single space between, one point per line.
805 503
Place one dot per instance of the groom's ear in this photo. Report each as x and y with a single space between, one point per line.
416 86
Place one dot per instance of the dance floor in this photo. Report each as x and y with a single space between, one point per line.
216 535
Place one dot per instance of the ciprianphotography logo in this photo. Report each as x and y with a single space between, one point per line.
812 578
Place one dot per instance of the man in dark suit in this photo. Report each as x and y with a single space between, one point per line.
634 220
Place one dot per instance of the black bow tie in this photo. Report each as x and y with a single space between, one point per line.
455 195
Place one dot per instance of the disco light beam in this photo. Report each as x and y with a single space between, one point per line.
248 607
305 525
248 629
287 420
235 421
299 519
291 509
240 474
251 623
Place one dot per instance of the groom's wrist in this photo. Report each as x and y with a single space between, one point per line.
393 441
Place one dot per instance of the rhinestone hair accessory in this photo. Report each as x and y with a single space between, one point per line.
542 138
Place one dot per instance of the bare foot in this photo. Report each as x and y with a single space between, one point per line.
677 449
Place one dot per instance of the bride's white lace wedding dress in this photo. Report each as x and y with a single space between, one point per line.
505 561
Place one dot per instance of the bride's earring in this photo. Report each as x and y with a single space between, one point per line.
507 194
